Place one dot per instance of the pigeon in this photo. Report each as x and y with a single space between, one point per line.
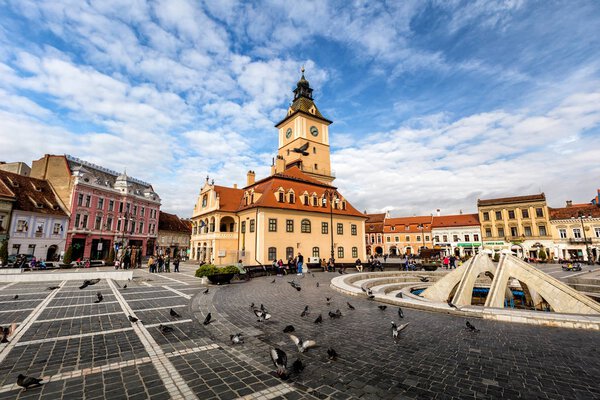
236 339
297 366
89 282
400 295
263 308
319 319
274 279
328 299
252 305
279 359
5 333
262 315
397 329
423 278
313 275
28 381
369 292
305 312
100 297
16 297
336 314
382 308
317 284
124 287
363 289
165 328
371 297
350 306
207 320
206 291
174 314
132 318
332 354
289 329
471 327
400 313
53 287
452 304
302 345
340 271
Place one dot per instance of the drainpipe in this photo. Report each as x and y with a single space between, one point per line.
256 237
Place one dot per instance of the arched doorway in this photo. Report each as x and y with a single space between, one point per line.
51 254
378 250
393 251
227 224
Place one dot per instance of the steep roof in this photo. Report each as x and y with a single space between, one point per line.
31 194
171 222
375 217
574 211
510 200
447 221
299 182
303 102
229 198
407 224
5 191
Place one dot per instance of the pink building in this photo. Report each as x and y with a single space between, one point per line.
107 209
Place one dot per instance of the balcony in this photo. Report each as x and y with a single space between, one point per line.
580 241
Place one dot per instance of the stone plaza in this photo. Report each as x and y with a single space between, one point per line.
87 350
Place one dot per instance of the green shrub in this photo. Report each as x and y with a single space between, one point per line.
4 252
497 257
543 254
206 270
68 257
230 269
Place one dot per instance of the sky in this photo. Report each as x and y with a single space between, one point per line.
435 103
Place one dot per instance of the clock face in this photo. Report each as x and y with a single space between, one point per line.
314 131
288 133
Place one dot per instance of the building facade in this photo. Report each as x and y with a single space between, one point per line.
518 224
107 209
174 235
407 235
7 199
18 167
39 221
458 235
293 211
374 233
576 232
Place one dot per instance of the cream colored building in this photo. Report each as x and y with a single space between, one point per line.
294 210
520 224
576 232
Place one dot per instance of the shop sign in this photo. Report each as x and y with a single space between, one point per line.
468 244
494 243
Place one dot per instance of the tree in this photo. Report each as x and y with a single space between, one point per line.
543 254
111 256
4 251
68 257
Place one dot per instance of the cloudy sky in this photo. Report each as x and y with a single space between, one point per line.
434 103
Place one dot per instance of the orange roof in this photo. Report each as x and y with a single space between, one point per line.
171 222
510 200
5 191
574 211
375 217
447 221
229 198
407 224
31 194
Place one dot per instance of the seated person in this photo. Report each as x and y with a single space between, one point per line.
359 266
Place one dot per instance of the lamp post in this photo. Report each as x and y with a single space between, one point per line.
125 218
330 194
422 228
581 216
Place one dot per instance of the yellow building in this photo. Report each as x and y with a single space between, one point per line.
407 235
293 211
520 224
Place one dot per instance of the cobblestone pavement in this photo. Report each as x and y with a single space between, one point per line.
87 350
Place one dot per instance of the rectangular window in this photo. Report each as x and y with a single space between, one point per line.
388 239
525 213
100 203
141 227
243 226
467 238
289 225
77 220
16 249
31 249
109 223
418 238
576 233
272 225
436 238
407 238
132 226
498 215
39 229
121 207
514 231
501 232
539 212
562 233
396 239
488 232
324 228
80 199
281 197
511 214
272 253
340 229
355 252
252 225
88 200
340 252
118 225
353 230
475 238
56 228
527 231
597 230
22 225
445 238
289 253
143 211
98 223
455 238
486 216
128 207
542 229
134 210
315 252
427 238
111 205
84 222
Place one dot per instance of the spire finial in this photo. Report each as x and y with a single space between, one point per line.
302 70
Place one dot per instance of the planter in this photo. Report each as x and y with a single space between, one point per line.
219 279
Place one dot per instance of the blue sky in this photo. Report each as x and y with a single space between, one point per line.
435 104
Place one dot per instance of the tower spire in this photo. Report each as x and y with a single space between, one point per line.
303 88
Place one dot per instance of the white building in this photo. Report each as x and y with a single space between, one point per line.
38 224
457 234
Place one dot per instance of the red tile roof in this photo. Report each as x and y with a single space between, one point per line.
574 211
31 194
510 200
172 223
229 198
446 221
375 217
407 224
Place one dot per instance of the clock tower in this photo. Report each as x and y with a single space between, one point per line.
304 135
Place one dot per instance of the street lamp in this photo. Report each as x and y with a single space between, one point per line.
581 216
422 227
331 195
125 218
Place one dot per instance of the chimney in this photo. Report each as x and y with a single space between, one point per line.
250 178
569 203
279 165
235 185
437 212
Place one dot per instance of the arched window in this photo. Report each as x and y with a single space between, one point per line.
289 253
315 200
340 252
305 226
204 200
272 253
315 252
291 197
355 252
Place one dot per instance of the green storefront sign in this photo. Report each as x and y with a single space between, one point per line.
467 244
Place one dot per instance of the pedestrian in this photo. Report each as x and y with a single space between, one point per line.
151 265
127 258
331 265
161 263
385 256
300 263
167 263
290 266
452 261
176 262
446 262
359 266
324 264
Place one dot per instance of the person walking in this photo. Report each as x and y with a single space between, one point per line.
176 262
300 263
167 263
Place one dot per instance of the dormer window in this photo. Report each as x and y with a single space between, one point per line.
281 197
291 197
315 200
